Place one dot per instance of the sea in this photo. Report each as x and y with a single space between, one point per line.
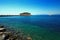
39 27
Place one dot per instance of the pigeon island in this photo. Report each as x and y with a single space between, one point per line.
25 14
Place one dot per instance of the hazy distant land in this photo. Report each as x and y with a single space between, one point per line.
31 15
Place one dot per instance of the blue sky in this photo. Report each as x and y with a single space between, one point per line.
36 7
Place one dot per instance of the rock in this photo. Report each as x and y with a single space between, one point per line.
2 29
1 26
29 37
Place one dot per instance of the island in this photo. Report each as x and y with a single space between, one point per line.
25 14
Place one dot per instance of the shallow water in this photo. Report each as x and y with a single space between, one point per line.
39 27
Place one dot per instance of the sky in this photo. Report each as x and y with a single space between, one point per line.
35 7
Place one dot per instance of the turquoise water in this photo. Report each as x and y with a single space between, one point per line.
39 27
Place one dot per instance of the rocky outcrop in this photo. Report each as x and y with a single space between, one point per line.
7 35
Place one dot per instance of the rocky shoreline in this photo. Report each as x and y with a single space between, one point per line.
5 34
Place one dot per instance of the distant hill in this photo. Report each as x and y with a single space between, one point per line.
7 15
